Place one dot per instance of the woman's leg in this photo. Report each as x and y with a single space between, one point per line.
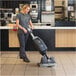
21 38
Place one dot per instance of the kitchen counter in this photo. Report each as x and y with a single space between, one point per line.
40 27
58 37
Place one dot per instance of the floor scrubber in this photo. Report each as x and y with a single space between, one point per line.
41 46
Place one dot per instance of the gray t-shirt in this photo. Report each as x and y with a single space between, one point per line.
23 19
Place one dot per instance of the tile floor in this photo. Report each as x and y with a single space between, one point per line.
12 65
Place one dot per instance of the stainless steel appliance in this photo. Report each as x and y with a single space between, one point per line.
34 12
48 18
13 18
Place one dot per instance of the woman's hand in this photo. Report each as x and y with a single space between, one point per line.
32 27
25 31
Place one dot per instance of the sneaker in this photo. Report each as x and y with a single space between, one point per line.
21 57
25 59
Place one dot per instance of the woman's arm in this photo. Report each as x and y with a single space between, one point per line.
19 26
31 24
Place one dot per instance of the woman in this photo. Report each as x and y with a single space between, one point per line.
23 21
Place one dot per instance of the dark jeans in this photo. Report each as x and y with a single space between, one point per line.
22 41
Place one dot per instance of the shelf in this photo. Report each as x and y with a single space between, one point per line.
4 9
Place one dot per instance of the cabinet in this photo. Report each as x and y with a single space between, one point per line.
65 38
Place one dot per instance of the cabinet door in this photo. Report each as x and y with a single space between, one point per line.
13 39
65 38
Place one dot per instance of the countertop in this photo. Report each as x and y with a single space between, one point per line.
36 26
40 27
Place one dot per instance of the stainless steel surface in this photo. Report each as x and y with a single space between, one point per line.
34 11
13 18
48 17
